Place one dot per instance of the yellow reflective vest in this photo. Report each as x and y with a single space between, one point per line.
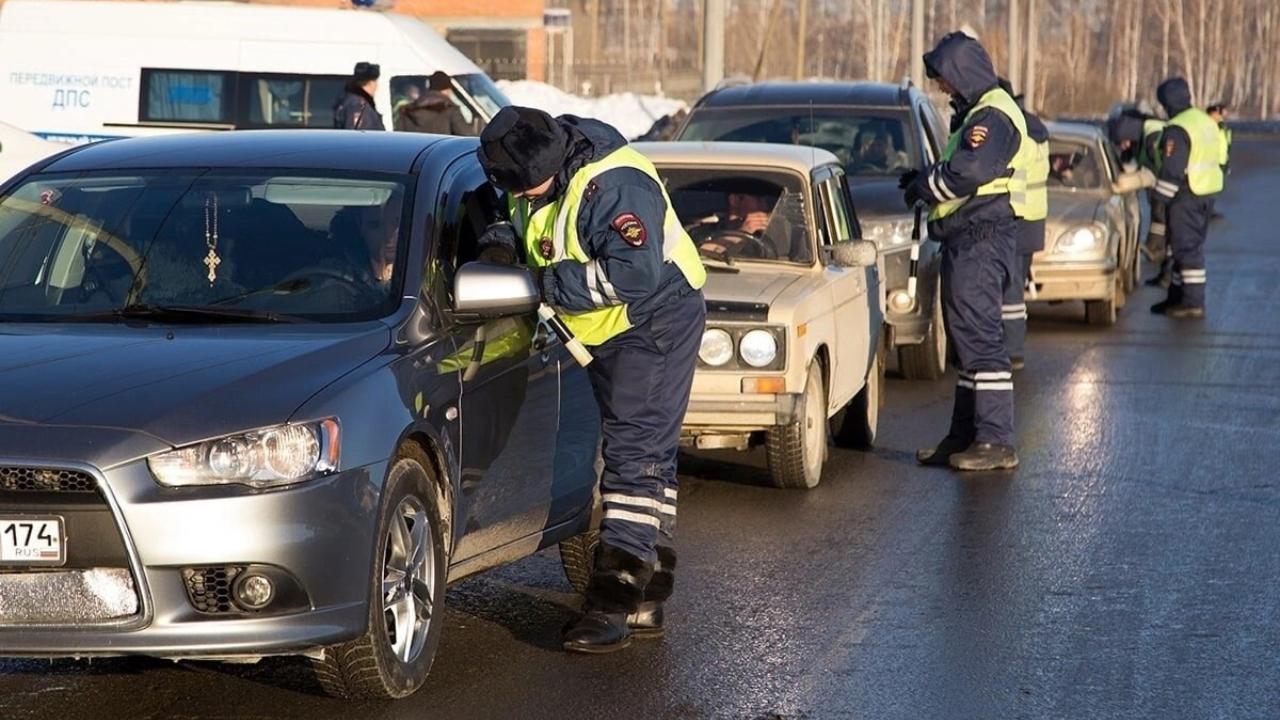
1016 181
1204 167
557 222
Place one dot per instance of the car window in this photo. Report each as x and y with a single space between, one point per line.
187 96
320 248
1074 165
283 101
470 92
866 142
748 215
833 198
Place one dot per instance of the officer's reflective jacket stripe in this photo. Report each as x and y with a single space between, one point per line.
557 222
1149 148
1016 179
1204 167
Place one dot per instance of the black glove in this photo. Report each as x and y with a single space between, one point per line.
906 178
538 274
911 196
497 244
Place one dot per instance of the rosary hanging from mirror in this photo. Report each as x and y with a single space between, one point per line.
211 261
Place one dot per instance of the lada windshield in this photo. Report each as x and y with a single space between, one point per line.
742 215
95 245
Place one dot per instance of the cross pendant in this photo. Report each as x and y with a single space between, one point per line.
212 261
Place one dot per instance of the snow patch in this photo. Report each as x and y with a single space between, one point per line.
630 113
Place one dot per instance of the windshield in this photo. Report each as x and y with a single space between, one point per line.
1074 165
866 143
469 93
732 216
322 249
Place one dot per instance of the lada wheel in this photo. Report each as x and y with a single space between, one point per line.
928 360
860 421
406 598
796 452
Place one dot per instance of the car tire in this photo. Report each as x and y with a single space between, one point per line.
1101 312
796 452
577 557
928 360
860 421
392 659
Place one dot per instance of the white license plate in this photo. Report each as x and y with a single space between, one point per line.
32 540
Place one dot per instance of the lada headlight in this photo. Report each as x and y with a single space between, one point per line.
717 347
758 348
269 457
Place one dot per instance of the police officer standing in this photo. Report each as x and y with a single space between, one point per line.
1030 236
977 193
590 215
1189 178
1138 135
355 109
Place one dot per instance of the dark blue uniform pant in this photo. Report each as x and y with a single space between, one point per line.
1014 308
976 263
1188 225
642 380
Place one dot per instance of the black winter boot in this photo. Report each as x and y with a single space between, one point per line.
986 456
615 591
940 456
646 621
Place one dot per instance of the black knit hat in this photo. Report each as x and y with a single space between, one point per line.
439 80
366 71
522 147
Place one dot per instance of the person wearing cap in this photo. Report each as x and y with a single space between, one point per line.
590 216
976 192
1138 135
355 109
433 111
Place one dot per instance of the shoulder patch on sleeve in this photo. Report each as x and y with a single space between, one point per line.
977 135
631 229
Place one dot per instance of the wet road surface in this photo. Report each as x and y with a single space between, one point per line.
1130 568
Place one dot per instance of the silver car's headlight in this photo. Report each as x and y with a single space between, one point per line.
716 348
270 457
888 233
758 348
1082 240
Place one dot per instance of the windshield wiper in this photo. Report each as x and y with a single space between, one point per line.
183 314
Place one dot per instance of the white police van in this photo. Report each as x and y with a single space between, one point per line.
79 71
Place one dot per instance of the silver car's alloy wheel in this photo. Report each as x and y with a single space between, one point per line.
408 576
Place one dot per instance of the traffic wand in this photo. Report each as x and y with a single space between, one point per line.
562 331
915 253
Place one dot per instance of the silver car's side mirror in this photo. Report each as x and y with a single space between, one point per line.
854 253
486 290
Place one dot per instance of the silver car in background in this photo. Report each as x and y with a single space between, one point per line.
1091 234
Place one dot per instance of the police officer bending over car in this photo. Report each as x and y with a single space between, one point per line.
590 216
976 193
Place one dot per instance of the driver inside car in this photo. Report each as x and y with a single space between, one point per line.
380 230
721 233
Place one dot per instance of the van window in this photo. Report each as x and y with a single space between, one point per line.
301 101
186 96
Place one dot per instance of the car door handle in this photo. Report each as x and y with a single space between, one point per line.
542 340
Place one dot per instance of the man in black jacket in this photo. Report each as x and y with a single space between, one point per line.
435 111
355 109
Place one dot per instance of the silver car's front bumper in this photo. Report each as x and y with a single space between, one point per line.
321 533
1085 280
